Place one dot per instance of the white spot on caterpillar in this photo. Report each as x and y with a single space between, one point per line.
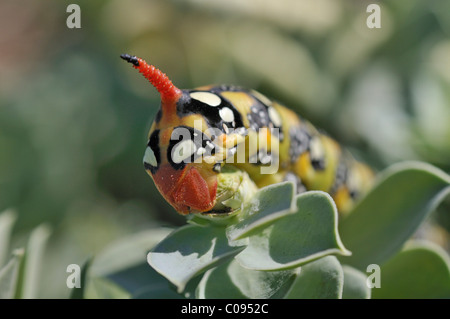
232 151
226 114
353 180
149 157
206 97
275 117
209 159
201 151
182 151
241 131
316 148
264 158
217 168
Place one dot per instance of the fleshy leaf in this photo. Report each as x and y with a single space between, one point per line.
33 263
298 238
127 252
355 284
7 219
267 205
142 280
103 288
123 266
421 270
320 279
79 293
231 280
190 251
392 211
9 276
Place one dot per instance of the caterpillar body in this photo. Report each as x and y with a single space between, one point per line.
199 133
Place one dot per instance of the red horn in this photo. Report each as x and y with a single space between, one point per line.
169 92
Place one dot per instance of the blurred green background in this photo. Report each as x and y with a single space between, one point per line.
74 117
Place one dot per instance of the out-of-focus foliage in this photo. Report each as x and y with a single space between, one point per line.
74 117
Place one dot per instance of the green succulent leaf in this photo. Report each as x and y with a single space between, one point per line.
34 259
320 279
264 208
137 282
127 252
231 280
121 270
103 288
136 278
9 276
7 219
296 239
393 210
355 284
190 251
79 293
421 270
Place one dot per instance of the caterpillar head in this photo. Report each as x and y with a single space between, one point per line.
180 156
174 159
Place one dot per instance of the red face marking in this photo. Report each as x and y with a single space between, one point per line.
166 178
186 190
194 192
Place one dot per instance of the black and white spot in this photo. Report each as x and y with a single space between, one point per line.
226 114
149 157
300 140
340 176
258 117
208 98
217 111
317 153
217 167
186 145
183 151
152 155
353 183
263 114
263 157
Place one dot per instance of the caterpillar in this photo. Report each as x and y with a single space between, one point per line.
202 136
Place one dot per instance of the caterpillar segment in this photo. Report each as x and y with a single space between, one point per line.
209 146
